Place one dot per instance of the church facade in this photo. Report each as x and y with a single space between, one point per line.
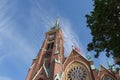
51 64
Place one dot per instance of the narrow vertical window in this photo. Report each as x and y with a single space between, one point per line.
50 46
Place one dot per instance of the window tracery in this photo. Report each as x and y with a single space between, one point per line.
76 71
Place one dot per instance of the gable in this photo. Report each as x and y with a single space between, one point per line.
105 73
75 56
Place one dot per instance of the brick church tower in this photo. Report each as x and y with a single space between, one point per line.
50 63
49 60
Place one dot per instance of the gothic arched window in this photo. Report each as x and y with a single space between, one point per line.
108 78
50 46
76 71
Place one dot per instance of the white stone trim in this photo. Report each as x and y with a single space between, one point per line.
37 73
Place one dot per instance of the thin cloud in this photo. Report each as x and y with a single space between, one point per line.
71 38
5 78
40 15
8 29
47 20
22 44
2 58
37 15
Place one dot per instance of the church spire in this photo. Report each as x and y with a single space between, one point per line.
109 64
88 57
56 25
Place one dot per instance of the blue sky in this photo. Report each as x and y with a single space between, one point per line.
23 24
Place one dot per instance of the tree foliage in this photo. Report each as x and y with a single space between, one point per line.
104 23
